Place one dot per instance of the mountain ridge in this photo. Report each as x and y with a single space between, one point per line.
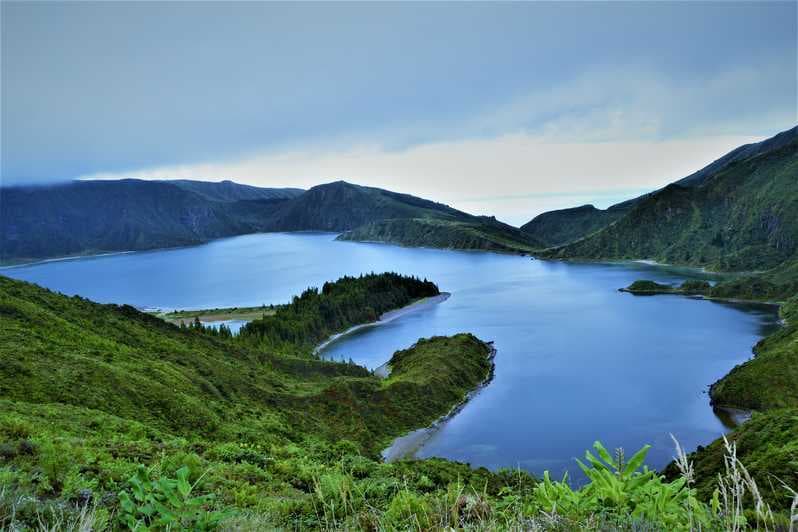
739 216
93 217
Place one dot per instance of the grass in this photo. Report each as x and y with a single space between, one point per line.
111 418
186 317
770 379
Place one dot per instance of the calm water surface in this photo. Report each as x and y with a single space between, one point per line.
577 360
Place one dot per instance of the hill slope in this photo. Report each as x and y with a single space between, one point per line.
84 217
555 228
742 217
230 191
470 233
341 206
89 391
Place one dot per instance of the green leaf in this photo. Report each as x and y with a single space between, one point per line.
183 485
604 454
637 460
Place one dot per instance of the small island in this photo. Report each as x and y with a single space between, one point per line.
690 287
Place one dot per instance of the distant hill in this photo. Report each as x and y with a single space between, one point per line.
373 214
555 228
745 151
84 217
341 206
560 227
230 191
477 233
87 217
739 215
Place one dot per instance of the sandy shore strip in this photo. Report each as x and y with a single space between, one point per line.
385 318
405 447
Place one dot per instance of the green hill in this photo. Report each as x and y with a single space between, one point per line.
469 233
341 206
90 391
690 206
555 228
742 217
230 191
114 419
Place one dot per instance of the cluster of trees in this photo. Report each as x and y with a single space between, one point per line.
316 314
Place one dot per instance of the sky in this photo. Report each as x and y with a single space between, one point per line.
495 108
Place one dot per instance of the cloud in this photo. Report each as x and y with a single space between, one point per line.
601 138
116 87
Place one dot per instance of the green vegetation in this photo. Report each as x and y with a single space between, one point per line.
770 379
689 287
555 228
648 287
315 315
111 418
479 233
91 392
742 217
768 446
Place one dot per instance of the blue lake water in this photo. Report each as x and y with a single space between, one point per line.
576 360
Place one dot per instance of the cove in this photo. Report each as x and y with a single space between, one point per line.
576 360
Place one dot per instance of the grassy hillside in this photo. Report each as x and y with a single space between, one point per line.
113 419
90 391
743 152
555 228
377 215
768 446
770 379
481 233
744 217
341 206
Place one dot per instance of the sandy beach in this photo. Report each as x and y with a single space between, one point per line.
385 318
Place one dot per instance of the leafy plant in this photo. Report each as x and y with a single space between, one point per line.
622 488
166 503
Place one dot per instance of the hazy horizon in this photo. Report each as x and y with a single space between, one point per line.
501 109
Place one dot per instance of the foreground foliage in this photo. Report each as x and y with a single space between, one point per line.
113 419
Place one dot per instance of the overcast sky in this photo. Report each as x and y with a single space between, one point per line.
506 109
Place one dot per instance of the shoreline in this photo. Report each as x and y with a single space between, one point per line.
730 415
385 318
405 446
508 251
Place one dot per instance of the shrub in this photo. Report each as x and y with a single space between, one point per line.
166 503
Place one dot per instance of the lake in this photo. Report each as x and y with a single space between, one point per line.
576 360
